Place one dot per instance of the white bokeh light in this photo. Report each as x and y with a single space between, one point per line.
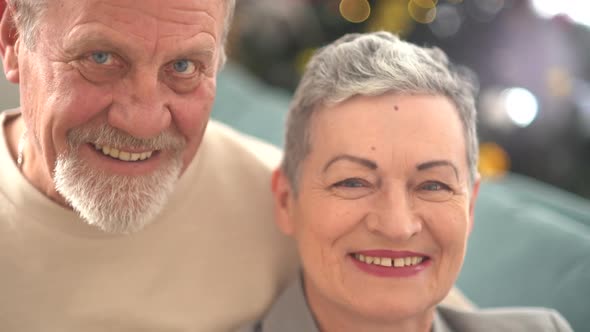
575 9
520 105
447 22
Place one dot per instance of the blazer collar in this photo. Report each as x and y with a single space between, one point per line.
439 324
290 313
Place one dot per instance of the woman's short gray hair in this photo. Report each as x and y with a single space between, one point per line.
374 64
27 14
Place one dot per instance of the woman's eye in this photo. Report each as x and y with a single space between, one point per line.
102 58
184 67
351 183
435 191
352 188
435 186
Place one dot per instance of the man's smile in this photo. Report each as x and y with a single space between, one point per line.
124 155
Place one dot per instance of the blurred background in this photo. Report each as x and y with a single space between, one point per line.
531 58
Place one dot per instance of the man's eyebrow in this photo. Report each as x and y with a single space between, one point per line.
358 160
438 163
207 53
85 43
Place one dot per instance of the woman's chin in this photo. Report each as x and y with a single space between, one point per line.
388 310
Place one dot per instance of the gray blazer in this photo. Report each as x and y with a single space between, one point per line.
290 313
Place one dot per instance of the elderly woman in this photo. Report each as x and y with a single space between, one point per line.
378 187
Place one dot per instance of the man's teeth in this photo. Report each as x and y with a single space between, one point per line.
123 155
390 262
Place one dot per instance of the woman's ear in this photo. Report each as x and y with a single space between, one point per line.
283 202
472 199
9 43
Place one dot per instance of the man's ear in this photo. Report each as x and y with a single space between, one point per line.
283 202
3 6
472 199
9 43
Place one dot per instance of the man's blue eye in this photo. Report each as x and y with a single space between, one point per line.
180 66
101 57
183 66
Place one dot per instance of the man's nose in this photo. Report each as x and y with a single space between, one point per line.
140 108
395 216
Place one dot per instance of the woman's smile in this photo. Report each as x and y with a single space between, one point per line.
388 263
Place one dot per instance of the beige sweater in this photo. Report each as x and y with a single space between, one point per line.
212 260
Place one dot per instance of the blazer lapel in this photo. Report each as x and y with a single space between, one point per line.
290 313
439 324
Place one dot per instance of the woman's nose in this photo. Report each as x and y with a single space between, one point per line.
141 109
395 217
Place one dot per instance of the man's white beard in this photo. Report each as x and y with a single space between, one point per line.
116 203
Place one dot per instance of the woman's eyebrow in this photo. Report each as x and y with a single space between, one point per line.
438 163
370 164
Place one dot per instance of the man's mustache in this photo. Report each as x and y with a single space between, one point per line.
107 135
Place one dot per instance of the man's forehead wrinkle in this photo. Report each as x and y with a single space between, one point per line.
93 32
192 22
115 17
189 14
118 6
198 19
166 23
179 15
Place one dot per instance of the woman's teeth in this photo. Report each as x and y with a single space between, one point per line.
388 261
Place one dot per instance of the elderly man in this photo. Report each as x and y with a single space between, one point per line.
122 207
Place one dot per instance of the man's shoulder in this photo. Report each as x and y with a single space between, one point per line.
504 319
226 142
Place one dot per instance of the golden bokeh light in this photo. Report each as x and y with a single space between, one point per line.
494 161
392 16
302 59
421 14
559 82
355 11
426 4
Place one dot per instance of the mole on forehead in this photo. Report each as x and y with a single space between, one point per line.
395 107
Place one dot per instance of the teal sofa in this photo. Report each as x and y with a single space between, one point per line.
530 245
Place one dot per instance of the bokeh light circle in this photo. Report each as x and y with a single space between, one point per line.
355 11
421 14
521 106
